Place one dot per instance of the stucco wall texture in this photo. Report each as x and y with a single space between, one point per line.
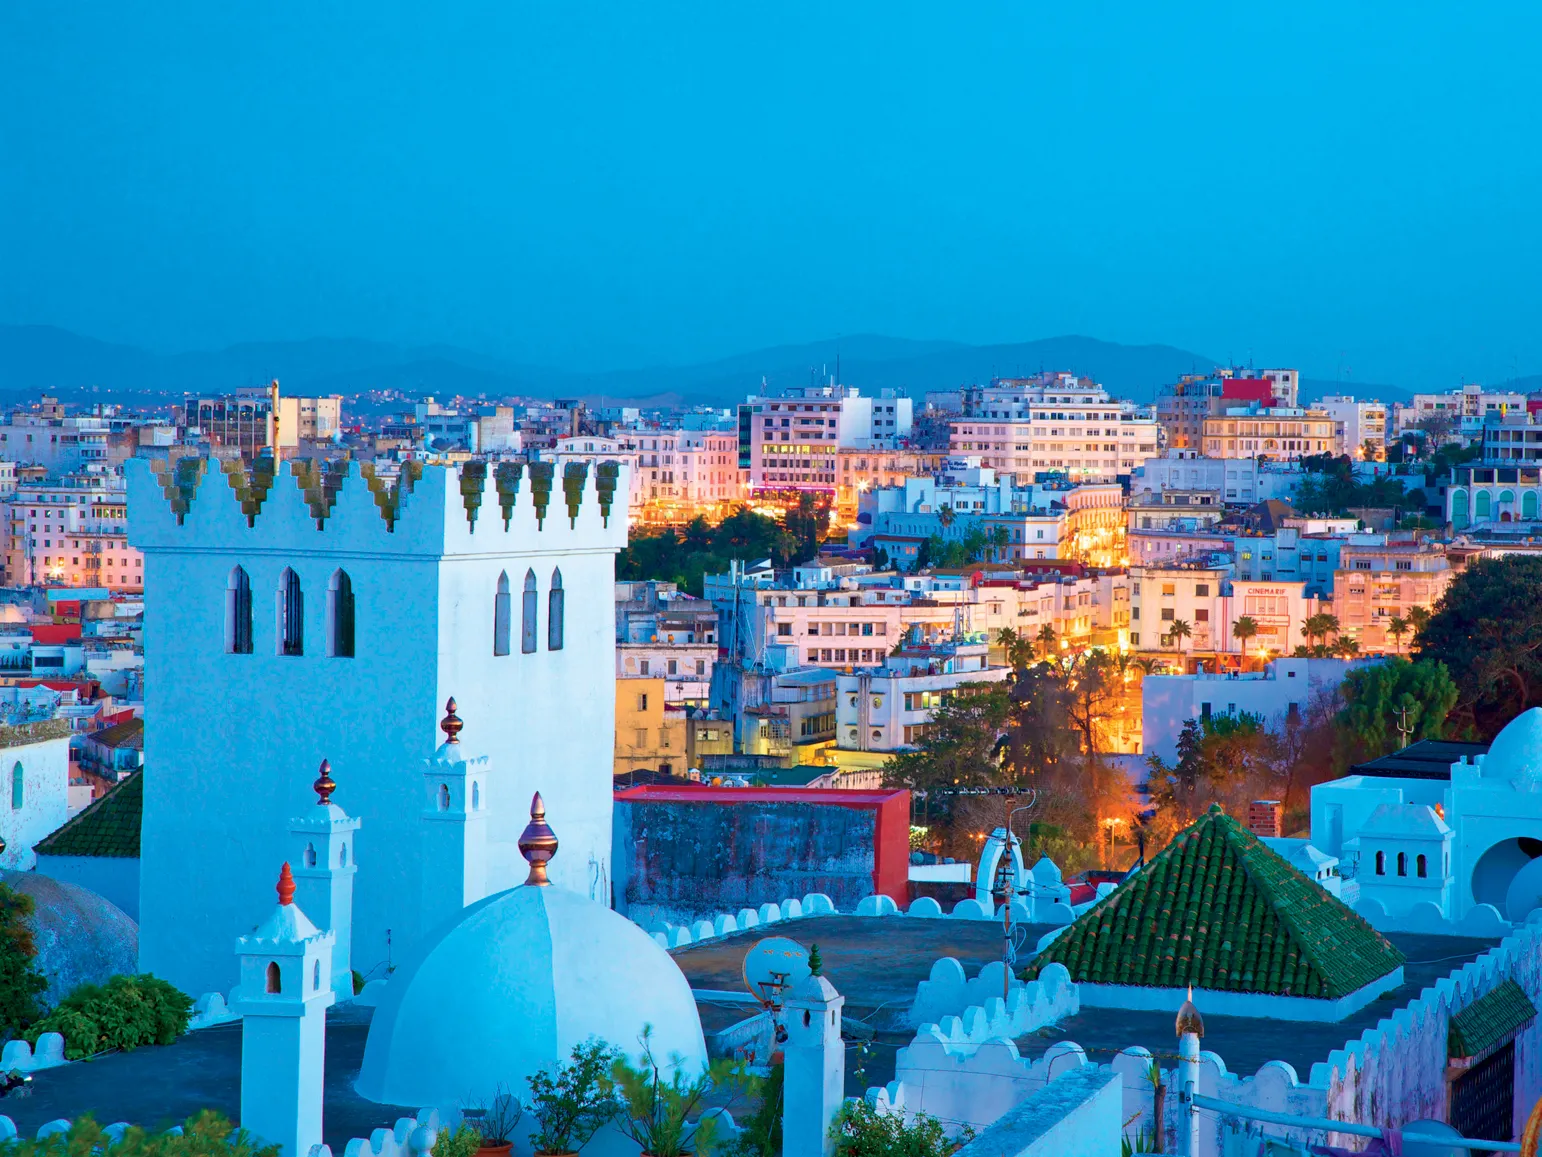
680 858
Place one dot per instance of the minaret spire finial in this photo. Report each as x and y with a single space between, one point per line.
537 843
451 723
285 885
324 787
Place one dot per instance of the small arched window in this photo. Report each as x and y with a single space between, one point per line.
554 613
1381 863
18 787
340 615
1421 866
444 797
291 614
1402 863
238 613
310 855
527 626
273 984
503 615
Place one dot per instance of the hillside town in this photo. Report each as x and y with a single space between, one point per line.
1034 717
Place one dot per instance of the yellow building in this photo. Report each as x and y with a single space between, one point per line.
1276 435
650 736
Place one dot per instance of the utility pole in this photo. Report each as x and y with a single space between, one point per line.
1404 728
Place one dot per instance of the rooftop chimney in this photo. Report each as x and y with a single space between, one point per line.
1264 817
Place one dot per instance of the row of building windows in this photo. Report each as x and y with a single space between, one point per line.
289 627
1421 865
503 607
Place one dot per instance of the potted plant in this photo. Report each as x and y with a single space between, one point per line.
573 1099
655 1110
495 1123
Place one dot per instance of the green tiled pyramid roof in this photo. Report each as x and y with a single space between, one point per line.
108 826
1218 909
1489 1019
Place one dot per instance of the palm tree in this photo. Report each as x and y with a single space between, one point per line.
945 515
1397 627
1047 637
1245 628
999 540
1019 648
1346 648
1178 629
1418 619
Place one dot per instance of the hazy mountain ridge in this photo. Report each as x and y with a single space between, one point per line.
36 359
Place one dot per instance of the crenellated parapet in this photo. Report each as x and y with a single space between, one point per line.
343 506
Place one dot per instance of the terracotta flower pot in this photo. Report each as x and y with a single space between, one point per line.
495 1150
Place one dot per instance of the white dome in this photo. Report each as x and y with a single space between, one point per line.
1516 753
510 986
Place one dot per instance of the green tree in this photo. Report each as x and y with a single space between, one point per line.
1245 628
1047 640
1018 648
1000 540
960 745
808 522
946 515
1487 630
1178 630
20 983
1379 696
1397 627
863 1131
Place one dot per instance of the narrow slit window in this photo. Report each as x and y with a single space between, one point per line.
554 613
238 613
291 615
502 614
340 610
527 627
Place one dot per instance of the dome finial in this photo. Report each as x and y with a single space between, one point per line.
1189 1020
285 885
537 843
324 787
451 723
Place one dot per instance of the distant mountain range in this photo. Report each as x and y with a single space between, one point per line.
36 359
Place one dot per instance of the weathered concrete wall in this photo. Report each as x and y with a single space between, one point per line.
681 861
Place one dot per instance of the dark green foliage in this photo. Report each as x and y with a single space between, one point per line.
462 1141
358 982
20 982
1380 697
863 1131
1487 630
1329 487
124 1013
571 1103
700 549
206 1135
762 1133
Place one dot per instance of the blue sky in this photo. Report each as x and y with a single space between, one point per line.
1346 187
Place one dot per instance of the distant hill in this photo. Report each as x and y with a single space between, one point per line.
35 359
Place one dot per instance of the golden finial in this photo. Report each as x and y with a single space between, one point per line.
324 787
1189 1020
451 723
537 843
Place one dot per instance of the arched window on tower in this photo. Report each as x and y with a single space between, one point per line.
238 613
18 787
527 627
340 615
1421 866
554 613
273 983
1381 863
1402 863
291 614
503 613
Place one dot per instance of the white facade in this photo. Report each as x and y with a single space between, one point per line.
235 760
889 708
34 797
1362 426
1236 480
792 442
1075 429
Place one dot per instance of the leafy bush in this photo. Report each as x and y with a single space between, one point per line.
655 1111
572 1101
126 1012
206 1135
20 982
462 1141
862 1131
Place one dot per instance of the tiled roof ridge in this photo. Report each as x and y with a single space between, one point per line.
116 813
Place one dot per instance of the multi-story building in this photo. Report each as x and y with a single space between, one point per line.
1208 602
1062 426
650 730
1183 407
686 473
1275 434
1467 407
686 668
655 611
70 531
1376 583
1361 426
889 707
60 443
791 444
258 418
1487 493
1306 551
1242 481
862 471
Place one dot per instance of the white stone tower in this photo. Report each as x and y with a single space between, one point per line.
814 1075
325 847
454 855
310 611
1190 1028
285 992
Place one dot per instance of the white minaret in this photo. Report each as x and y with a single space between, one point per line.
815 1068
324 847
285 990
1190 1029
454 857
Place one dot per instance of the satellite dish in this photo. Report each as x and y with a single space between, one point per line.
773 965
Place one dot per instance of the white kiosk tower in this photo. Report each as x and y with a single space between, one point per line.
324 847
815 1068
454 857
286 967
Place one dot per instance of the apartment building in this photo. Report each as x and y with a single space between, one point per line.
1065 426
70 531
1361 426
1208 602
257 418
792 443
1274 434
1183 407
889 708
650 731
1468 408
1243 481
686 668
1484 494
1376 583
